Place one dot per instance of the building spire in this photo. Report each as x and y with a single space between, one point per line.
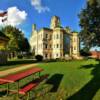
55 22
33 27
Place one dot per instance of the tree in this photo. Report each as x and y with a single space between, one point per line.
90 24
17 43
15 36
24 45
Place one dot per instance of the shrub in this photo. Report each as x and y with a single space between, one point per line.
20 56
39 57
84 53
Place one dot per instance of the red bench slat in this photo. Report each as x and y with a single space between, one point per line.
27 88
1 82
21 75
32 85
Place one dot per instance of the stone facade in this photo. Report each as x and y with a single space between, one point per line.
54 42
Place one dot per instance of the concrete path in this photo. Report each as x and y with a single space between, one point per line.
17 69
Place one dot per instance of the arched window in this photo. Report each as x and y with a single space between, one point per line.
57 45
74 39
57 36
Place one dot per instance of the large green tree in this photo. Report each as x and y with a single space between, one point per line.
24 45
15 35
90 24
17 40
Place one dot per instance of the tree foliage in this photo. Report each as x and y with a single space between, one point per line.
90 24
17 40
24 45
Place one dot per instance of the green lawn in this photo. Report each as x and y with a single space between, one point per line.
72 80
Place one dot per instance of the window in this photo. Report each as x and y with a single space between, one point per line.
46 36
74 39
46 55
61 36
46 46
57 55
61 45
57 45
57 36
74 48
50 56
50 46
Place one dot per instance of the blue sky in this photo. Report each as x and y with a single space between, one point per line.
41 11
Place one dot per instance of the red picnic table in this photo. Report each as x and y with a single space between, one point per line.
18 76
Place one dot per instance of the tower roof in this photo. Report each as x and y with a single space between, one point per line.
55 16
55 22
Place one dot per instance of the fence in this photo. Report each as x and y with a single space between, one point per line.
3 57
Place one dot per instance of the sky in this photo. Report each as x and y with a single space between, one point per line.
24 13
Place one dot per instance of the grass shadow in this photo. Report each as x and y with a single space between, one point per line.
88 91
2 93
17 62
55 81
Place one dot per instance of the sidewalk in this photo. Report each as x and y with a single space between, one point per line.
17 69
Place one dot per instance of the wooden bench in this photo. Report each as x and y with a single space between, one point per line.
18 76
32 85
1 82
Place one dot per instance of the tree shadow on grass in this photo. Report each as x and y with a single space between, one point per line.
55 81
90 89
2 93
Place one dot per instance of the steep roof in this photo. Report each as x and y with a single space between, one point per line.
45 28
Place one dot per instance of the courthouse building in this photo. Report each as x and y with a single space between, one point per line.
54 42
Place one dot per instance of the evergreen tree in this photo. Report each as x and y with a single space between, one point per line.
90 24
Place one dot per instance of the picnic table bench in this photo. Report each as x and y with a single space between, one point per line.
18 76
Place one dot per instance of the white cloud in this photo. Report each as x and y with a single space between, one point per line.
39 6
14 16
1 21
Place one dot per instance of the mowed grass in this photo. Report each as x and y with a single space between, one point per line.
72 80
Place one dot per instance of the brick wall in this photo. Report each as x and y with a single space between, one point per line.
95 54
